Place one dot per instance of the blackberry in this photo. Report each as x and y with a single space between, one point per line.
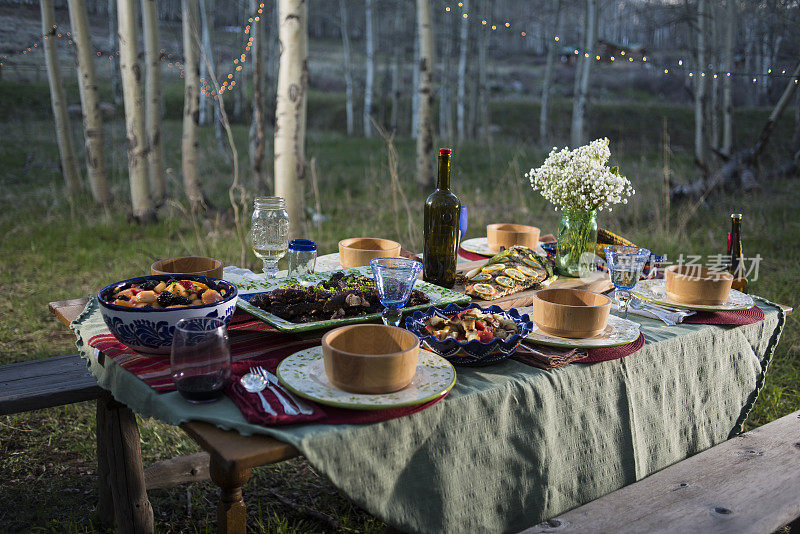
149 285
165 298
180 300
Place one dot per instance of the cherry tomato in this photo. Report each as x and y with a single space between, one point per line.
485 336
480 325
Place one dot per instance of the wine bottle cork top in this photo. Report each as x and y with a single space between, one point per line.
445 150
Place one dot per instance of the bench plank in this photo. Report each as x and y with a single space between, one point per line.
748 484
37 384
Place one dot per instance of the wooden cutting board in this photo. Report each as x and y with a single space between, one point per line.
598 282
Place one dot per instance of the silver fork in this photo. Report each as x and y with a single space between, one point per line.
302 406
288 407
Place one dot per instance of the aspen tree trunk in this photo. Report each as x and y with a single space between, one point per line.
69 166
191 104
113 46
415 86
425 98
348 73
152 97
397 39
700 85
90 104
552 52
578 134
369 36
258 124
143 210
483 93
727 82
290 114
462 74
206 106
445 107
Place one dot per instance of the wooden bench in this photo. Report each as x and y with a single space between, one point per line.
748 484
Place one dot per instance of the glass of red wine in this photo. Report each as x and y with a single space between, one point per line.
201 358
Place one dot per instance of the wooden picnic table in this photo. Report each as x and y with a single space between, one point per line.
232 455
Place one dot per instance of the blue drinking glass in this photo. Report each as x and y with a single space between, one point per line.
625 265
462 225
394 280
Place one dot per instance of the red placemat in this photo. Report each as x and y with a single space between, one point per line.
250 405
471 255
605 354
732 318
253 342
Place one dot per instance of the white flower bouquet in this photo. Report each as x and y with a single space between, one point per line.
580 179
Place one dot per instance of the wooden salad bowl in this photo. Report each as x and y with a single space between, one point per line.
358 251
195 265
370 358
693 284
506 235
571 313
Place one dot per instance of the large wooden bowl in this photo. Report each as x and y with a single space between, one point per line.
506 235
194 265
370 358
358 251
693 284
570 313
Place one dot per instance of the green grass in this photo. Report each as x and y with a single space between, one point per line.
55 249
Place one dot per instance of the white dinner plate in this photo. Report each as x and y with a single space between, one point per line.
618 332
653 290
304 374
478 245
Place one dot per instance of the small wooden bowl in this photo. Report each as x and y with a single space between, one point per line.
506 235
194 265
693 284
357 251
570 313
370 358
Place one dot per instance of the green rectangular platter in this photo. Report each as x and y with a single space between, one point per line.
438 296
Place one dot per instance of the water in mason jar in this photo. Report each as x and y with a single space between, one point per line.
624 278
270 238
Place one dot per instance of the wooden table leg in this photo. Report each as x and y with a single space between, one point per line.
131 507
105 500
231 514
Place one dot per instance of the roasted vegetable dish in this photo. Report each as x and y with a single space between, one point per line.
173 293
471 324
513 270
343 295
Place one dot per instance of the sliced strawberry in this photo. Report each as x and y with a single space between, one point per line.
187 284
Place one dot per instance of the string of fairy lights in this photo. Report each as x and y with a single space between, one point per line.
237 64
228 83
665 69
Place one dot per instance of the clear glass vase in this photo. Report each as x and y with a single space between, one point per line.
577 234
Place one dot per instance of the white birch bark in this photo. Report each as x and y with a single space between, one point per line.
445 106
142 204
369 37
578 134
290 114
552 52
113 41
348 72
90 103
191 104
152 97
425 89
462 74
69 166
727 82
258 138
700 85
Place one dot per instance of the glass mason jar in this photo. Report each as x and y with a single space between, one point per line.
269 232
577 234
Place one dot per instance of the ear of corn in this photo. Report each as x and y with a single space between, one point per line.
606 237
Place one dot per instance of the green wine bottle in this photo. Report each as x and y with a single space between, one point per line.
441 230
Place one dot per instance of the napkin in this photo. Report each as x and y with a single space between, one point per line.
652 313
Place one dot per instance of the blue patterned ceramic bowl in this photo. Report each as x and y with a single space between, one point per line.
471 353
150 330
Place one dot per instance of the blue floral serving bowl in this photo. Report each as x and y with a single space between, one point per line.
150 330
469 353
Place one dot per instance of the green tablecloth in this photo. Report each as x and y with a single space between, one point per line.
513 445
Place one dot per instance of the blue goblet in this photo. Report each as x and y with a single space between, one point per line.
625 265
462 225
394 280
